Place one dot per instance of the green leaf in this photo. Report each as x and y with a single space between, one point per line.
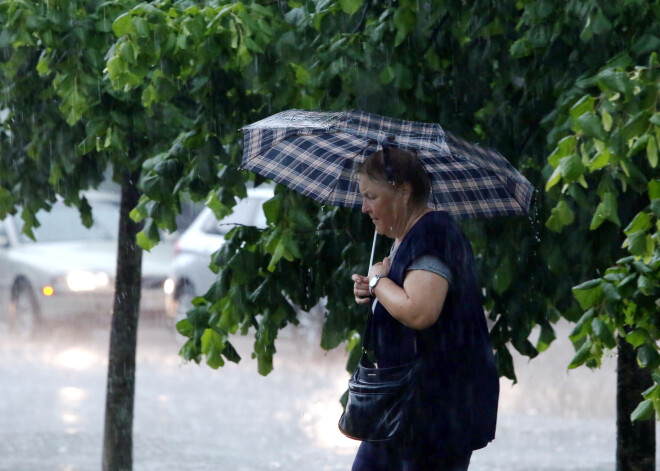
503 276
42 66
637 337
639 145
610 292
603 333
655 208
601 159
566 146
583 105
546 338
607 119
588 294
654 189
581 355
560 216
645 44
641 222
600 24
643 411
149 95
141 26
404 22
230 353
301 73
277 255
521 48
189 351
655 119
116 67
636 126
350 6
387 75
571 167
212 346
504 362
122 25
272 209
185 328
554 179
331 337
652 152
647 357
645 285
292 251
610 79
591 125
650 247
149 236
636 243
144 241
606 211
580 329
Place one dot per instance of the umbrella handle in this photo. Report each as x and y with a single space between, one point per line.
373 249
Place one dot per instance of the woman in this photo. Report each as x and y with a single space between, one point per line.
427 300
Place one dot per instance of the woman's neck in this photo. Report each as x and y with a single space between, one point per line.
412 220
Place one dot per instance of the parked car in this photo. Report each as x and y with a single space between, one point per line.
190 275
69 270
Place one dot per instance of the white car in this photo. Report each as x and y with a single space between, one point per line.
190 272
69 271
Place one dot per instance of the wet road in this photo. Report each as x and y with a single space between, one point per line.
189 417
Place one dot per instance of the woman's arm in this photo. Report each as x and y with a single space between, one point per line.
418 304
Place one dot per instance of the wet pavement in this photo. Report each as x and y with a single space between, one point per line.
190 417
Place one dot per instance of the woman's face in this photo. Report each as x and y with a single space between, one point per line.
382 203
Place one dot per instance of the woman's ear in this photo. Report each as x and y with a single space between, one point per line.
406 192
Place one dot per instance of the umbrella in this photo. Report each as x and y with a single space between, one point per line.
315 153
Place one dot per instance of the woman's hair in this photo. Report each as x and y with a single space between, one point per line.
398 166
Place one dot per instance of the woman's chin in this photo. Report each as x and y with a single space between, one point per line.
381 232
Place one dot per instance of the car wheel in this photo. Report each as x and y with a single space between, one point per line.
24 313
184 301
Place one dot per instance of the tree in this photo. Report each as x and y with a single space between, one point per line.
65 126
609 156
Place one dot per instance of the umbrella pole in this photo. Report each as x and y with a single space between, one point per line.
373 249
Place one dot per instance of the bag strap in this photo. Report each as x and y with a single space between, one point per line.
366 336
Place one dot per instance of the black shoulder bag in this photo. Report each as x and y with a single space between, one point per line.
381 401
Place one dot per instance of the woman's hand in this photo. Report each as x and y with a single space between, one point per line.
361 283
380 268
361 289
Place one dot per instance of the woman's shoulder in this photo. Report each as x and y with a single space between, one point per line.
436 219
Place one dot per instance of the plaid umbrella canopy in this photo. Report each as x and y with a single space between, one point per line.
315 154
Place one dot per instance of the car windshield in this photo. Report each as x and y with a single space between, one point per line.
63 223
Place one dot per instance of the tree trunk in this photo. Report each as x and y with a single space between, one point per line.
120 392
635 442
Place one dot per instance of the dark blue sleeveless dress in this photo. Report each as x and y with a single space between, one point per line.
458 405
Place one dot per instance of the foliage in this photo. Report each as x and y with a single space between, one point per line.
65 122
610 152
51 56
202 54
504 73
489 72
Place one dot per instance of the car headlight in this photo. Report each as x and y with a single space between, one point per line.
81 280
168 286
